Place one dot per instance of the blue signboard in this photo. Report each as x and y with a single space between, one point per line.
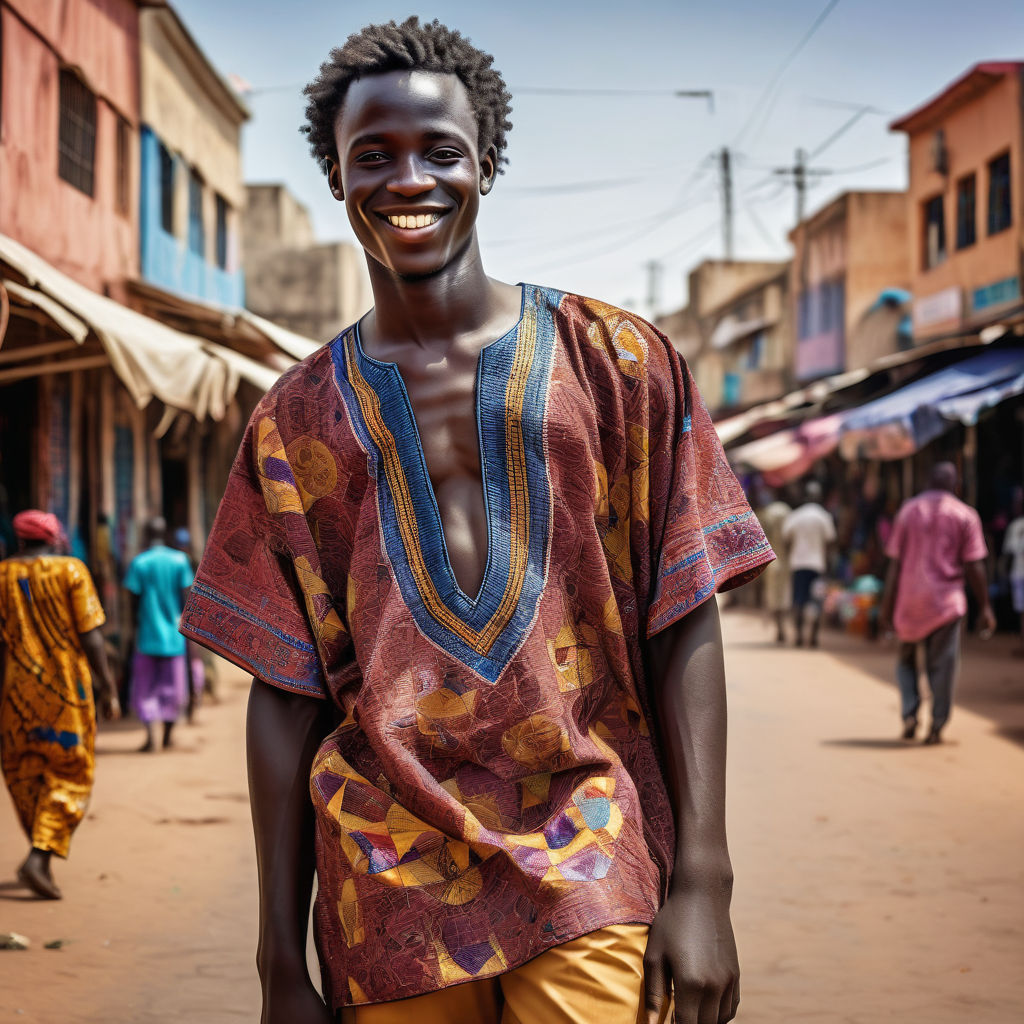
996 294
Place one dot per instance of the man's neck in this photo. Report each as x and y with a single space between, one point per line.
433 311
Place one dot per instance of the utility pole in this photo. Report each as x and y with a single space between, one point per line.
799 174
725 170
654 269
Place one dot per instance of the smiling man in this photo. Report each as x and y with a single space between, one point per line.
469 552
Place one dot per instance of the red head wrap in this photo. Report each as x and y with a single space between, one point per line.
33 525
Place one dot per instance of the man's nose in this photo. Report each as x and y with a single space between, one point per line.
411 178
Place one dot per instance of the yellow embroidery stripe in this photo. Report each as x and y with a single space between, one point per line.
369 404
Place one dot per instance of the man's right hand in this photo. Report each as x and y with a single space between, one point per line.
297 1003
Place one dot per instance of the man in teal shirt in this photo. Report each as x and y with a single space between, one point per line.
158 580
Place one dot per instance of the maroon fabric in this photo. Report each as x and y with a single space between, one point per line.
473 811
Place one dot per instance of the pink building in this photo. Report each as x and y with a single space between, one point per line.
69 110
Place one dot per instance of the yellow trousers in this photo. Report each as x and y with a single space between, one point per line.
595 979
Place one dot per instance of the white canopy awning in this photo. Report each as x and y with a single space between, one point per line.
151 359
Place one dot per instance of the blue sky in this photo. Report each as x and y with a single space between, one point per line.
639 182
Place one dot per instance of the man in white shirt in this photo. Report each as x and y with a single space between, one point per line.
808 531
1013 552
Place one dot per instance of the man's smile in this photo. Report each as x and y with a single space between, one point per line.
413 220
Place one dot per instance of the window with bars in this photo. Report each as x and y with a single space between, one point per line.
76 143
196 234
1000 214
966 212
166 189
124 165
222 232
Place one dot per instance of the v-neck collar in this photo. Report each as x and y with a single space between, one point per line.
513 374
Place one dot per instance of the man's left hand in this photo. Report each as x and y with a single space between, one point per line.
986 622
691 951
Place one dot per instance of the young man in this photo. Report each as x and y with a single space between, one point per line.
158 580
468 551
936 542
808 532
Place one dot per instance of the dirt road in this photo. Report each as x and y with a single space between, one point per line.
875 881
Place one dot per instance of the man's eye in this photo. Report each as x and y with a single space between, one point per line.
371 158
446 153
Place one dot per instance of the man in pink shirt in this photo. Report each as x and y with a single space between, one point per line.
936 542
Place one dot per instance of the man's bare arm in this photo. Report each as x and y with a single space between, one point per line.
892 582
977 580
283 732
96 655
691 943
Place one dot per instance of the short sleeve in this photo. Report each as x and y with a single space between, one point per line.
85 602
830 527
187 575
975 548
247 602
894 546
703 533
131 580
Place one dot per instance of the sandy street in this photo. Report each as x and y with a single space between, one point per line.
875 881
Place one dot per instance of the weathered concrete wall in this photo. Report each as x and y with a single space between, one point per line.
876 259
87 237
275 219
316 291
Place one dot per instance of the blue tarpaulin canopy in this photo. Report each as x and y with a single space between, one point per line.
897 425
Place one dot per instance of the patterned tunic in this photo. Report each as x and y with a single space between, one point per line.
493 787
47 717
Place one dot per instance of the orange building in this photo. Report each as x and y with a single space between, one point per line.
966 208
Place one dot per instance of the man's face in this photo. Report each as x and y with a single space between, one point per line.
409 170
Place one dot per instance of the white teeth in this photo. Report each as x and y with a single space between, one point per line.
420 220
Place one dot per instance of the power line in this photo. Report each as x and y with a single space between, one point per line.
784 66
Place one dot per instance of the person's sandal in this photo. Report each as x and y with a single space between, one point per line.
935 736
909 727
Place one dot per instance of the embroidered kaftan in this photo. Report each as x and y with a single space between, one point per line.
493 787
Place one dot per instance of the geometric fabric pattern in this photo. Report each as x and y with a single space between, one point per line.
492 786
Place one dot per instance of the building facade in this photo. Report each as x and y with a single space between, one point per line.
964 232
736 331
849 261
315 289
69 115
191 194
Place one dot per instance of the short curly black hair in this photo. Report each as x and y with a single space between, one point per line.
393 47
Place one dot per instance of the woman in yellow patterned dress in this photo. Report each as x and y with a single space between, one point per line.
50 618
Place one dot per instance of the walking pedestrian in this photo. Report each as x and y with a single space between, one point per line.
778 587
1013 553
158 580
51 653
936 542
808 533
193 652
472 546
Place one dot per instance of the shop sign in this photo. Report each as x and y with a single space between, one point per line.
938 308
996 294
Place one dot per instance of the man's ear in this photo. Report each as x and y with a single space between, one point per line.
488 169
334 180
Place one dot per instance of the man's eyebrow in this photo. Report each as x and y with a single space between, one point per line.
366 140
